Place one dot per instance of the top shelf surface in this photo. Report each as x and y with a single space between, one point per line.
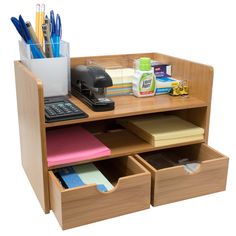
130 106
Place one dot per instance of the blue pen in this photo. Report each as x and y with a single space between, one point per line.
52 20
16 23
57 36
53 26
56 32
35 51
24 33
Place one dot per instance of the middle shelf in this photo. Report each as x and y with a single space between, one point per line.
124 143
121 141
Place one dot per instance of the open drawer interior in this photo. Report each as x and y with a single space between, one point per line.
182 156
112 169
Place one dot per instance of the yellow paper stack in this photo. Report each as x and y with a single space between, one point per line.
122 79
163 130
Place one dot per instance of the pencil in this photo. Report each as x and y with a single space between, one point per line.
41 22
37 20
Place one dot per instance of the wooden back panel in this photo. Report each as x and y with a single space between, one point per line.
32 132
200 76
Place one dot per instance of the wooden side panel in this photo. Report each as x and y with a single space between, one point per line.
55 196
84 205
32 133
200 79
200 76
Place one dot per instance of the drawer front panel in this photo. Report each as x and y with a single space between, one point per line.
175 183
83 205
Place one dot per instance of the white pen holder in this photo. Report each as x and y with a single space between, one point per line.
53 72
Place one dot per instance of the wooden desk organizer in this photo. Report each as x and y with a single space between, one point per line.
83 205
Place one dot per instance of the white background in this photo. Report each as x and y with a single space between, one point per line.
201 30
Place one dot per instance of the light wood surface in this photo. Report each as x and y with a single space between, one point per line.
200 78
83 205
130 106
174 183
32 133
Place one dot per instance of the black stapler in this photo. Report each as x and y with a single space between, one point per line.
88 83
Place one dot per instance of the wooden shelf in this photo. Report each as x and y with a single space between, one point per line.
124 143
130 105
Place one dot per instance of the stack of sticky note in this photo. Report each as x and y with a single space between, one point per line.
122 79
80 175
72 144
162 130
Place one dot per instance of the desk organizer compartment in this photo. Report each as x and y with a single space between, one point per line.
121 72
86 204
171 182
53 72
164 129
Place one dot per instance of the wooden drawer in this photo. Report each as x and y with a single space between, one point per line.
86 204
174 183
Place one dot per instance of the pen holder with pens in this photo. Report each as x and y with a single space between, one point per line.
53 72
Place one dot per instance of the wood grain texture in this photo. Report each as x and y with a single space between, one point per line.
83 205
130 105
175 184
32 133
199 76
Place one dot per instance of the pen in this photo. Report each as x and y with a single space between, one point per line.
48 46
16 23
57 36
34 37
23 31
56 31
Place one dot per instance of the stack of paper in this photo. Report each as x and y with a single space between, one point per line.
122 81
90 174
80 175
163 130
73 144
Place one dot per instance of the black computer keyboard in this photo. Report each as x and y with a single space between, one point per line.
60 108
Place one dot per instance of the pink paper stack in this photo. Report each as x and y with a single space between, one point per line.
72 144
